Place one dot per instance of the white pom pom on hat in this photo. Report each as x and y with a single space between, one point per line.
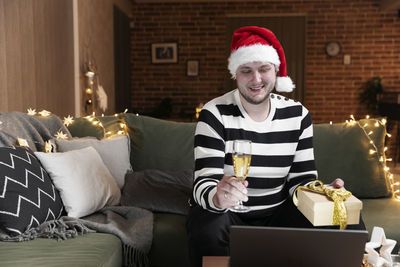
255 44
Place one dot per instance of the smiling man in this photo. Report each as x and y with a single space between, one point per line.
281 133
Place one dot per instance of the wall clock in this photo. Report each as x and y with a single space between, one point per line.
332 48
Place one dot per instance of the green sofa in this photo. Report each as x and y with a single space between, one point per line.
340 151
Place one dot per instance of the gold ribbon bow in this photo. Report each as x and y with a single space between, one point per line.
337 195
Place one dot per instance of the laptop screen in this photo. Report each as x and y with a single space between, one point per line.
272 246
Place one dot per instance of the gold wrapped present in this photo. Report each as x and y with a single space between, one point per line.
325 205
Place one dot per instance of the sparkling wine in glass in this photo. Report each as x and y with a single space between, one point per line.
241 157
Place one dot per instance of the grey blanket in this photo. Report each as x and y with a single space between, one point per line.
134 226
62 229
34 129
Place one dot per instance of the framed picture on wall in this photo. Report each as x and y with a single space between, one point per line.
163 53
192 68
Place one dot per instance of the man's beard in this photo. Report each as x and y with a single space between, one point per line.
253 101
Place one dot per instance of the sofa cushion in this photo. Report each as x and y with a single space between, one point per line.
93 249
27 194
114 151
160 144
84 182
158 191
342 151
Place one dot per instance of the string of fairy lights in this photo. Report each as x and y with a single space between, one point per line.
93 119
373 150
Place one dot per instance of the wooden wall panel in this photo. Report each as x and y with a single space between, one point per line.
3 60
36 56
27 63
55 28
12 44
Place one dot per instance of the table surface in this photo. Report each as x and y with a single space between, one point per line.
215 261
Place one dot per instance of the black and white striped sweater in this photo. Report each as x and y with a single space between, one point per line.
282 150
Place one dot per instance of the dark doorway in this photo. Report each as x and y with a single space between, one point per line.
122 63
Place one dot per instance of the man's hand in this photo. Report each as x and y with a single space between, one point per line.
338 183
229 192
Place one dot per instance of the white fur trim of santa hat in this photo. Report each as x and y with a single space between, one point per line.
284 84
252 53
259 53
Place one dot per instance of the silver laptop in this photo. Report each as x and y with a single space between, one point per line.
298 247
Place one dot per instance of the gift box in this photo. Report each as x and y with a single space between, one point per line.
318 208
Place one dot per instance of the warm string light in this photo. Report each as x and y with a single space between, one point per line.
394 186
95 121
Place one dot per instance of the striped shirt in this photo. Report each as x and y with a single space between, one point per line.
282 150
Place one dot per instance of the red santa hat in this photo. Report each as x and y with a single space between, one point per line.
255 44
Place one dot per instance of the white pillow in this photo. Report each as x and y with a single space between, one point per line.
114 152
84 183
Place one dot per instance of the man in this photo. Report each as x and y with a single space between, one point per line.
282 150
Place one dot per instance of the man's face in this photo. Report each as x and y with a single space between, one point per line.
255 81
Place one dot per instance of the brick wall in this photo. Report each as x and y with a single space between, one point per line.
370 36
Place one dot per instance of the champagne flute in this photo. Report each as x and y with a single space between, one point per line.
241 158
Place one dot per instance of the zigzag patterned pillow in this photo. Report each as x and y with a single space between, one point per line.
27 194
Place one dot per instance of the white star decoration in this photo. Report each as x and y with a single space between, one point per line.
68 120
22 142
44 113
61 135
378 239
31 112
48 147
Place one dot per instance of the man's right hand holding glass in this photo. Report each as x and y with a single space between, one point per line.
229 192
